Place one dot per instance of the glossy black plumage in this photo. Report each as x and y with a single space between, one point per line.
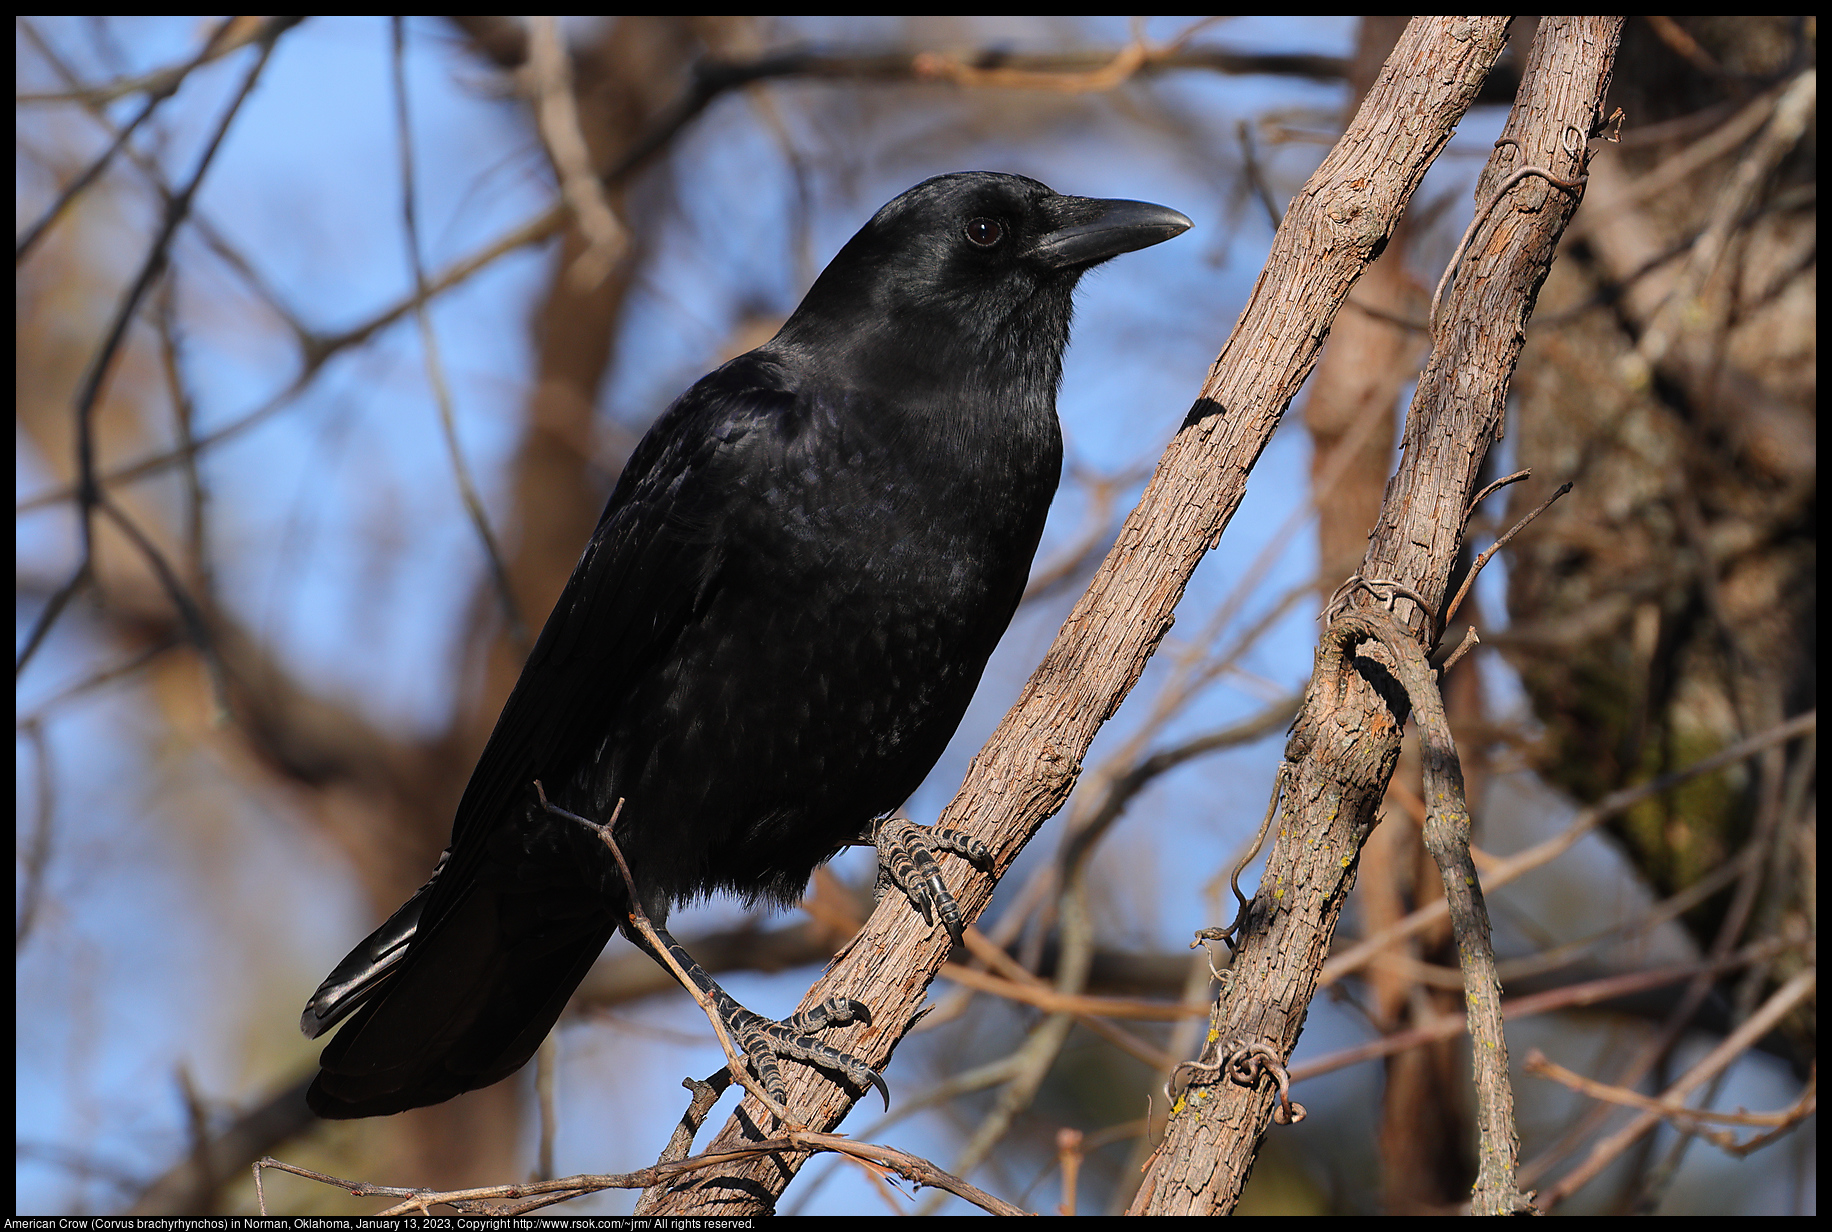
773 633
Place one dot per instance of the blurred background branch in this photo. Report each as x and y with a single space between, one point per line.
241 734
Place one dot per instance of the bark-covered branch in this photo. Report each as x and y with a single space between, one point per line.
1025 772
1346 743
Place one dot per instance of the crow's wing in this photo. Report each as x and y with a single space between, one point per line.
460 986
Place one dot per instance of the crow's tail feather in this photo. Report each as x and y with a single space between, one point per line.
445 1011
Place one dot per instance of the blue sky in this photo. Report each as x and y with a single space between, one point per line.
340 539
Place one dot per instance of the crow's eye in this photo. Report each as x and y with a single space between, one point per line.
984 232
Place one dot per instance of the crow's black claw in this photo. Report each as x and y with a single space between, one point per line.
906 859
765 1042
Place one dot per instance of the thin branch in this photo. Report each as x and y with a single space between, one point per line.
190 613
1130 770
1046 998
914 1167
1493 488
1121 790
639 919
1794 112
211 235
705 1095
487 1199
104 676
184 412
1518 865
53 608
1516 1009
319 350
1447 827
986 950
231 33
435 368
1089 824
185 1187
1698 151
1691 1120
1124 64
1655 1052
89 391
1470 642
712 79
1469 579
1251 168
37 856
1675 36
1076 559
557 119
1720 1058
1643 923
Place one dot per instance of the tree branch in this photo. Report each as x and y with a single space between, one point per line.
1346 743
1025 772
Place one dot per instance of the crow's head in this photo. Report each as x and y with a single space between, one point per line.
976 262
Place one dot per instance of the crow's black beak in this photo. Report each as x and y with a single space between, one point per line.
1092 230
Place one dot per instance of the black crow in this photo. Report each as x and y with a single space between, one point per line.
768 642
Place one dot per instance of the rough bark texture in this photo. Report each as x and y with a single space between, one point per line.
1026 770
1347 740
1350 412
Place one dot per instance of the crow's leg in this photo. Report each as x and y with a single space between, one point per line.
764 1041
906 859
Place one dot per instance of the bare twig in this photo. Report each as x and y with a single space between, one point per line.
1679 1019
664 953
488 1199
190 613
1675 36
429 344
1069 564
318 351
1697 153
196 535
1516 1009
105 676
1469 579
1129 770
231 33
712 79
1518 865
1121 68
1719 1059
705 1095
1255 176
95 376
1692 1120
1493 488
1046 998
914 1167
1069 1156
1470 642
